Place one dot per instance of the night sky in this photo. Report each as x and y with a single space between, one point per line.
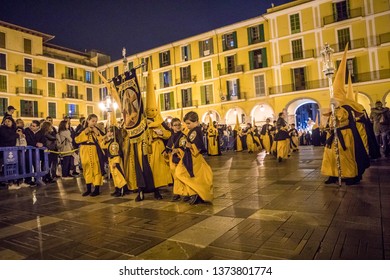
138 25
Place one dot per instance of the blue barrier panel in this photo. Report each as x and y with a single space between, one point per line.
23 162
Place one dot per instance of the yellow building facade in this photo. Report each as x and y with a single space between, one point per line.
255 68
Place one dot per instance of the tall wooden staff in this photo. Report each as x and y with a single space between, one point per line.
328 69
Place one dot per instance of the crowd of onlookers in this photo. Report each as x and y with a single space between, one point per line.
62 158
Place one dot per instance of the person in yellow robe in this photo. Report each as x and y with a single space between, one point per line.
192 172
91 155
213 147
265 135
177 141
237 134
282 139
250 141
112 144
293 132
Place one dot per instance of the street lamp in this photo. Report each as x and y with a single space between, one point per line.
328 70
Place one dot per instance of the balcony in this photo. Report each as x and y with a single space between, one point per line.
305 85
297 56
72 77
33 70
371 76
72 95
183 80
27 90
353 44
231 70
354 13
73 115
383 38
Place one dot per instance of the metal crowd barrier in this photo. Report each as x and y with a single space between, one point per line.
23 162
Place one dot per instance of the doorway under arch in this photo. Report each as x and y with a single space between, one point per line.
261 112
214 116
304 113
231 116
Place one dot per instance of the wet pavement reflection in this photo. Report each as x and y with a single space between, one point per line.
262 210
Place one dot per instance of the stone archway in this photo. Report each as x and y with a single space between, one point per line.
301 111
213 114
261 112
231 116
366 101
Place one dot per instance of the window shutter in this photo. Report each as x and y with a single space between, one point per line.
22 107
235 39
228 90
347 6
189 52
201 49
171 100
170 77
264 57
261 30
202 95
249 35
251 64
77 109
169 57
35 87
161 80
162 102
35 109
334 11
224 42
211 45
238 89
160 59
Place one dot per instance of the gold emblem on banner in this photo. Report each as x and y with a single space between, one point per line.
114 149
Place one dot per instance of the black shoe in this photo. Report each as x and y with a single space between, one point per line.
186 198
194 199
75 174
117 192
140 196
157 195
86 193
176 197
279 159
95 191
126 191
352 181
331 180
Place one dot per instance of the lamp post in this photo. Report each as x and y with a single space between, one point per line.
108 106
328 70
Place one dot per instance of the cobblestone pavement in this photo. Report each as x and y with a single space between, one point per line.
262 210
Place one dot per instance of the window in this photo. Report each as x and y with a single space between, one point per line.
207 74
206 47
3 83
30 86
51 89
166 79
27 46
52 108
259 85
145 60
341 10
29 108
88 77
89 94
167 101
130 65
233 89
89 110
295 23
351 67
299 80
3 105
28 65
297 50
256 34
343 38
2 40
3 61
206 94
165 59
70 73
102 94
258 58
229 41
185 74
72 110
50 70
186 97
186 53
116 71
72 91
230 62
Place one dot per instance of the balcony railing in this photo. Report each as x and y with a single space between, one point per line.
68 58
72 95
371 76
183 80
33 70
353 44
358 12
73 115
297 56
72 77
231 70
383 38
27 90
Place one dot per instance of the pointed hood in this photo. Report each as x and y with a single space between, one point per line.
351 99
211 124
151 104
237 126
339 79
